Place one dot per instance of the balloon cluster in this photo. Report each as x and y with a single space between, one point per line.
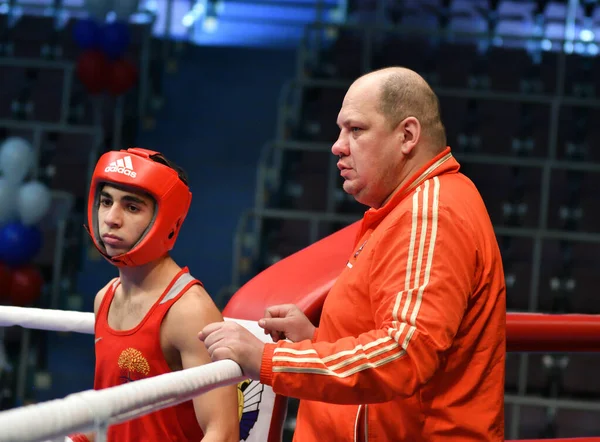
23 204
101 67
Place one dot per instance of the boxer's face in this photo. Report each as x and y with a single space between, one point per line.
123 217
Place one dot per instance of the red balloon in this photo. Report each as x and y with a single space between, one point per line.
5 282
26 286
122 76
92 70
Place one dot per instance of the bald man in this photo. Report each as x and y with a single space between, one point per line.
411 341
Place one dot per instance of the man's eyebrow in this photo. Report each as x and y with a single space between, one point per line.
134 199
343 123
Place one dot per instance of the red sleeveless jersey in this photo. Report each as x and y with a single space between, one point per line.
129 355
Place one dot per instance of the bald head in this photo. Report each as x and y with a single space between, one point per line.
403 93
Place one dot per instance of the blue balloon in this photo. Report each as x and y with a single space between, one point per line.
115 39
86 33
19 243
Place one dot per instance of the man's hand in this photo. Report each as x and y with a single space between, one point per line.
287 322
229 340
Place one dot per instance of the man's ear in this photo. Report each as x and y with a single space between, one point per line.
410 133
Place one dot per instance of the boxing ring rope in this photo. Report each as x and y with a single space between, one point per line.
47 319
93 410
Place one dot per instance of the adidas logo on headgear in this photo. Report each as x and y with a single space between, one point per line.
123 166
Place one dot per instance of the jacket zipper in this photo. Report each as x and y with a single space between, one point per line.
366 424
356 426
356 423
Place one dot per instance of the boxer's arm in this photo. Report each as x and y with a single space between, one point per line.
216 410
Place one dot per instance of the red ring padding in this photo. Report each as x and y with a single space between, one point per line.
552 333
303 278
306 277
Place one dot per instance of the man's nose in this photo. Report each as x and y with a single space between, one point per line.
340 147
113 216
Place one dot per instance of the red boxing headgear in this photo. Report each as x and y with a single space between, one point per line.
135 169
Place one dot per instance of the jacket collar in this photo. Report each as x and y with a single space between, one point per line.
442 164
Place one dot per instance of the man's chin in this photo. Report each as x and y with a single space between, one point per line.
350 188
357 193
113 251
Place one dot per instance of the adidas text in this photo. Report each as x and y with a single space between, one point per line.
123 170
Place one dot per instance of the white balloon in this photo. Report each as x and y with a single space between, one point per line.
8 201
33 202
16 159
99 8
125 8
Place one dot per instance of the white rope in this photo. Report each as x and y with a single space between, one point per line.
43 319
56 320
80 412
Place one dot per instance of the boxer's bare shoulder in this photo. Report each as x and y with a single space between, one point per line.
100 295
190 314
